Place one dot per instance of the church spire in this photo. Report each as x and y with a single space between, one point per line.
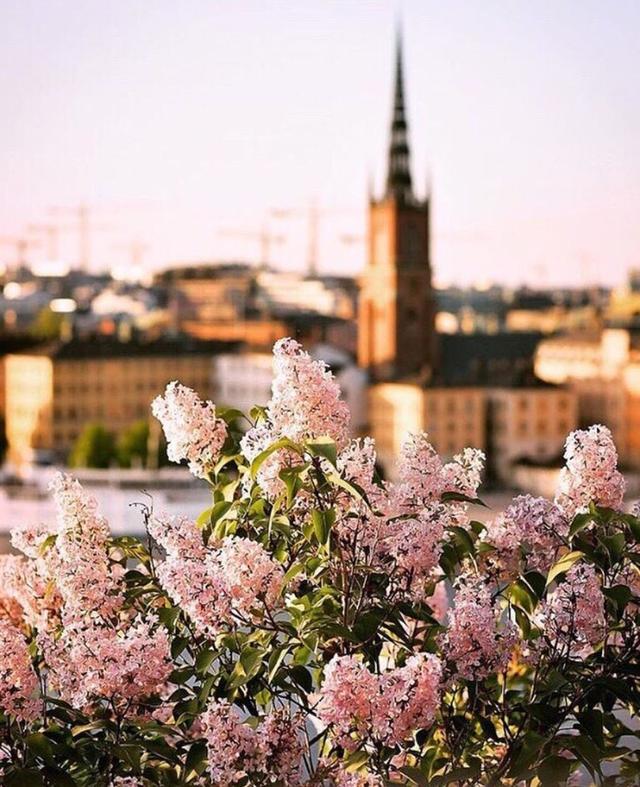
399 172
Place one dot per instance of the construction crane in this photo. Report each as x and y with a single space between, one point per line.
136 251
313 215
265 238
52 234
84 226
313 219
21 246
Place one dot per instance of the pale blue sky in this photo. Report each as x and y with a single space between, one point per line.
195 116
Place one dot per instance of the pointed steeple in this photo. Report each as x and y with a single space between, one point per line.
399 171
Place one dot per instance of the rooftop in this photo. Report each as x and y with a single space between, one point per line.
109 347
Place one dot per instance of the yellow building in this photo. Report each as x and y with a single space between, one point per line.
603 370
52 393
509 424
454 418
528 423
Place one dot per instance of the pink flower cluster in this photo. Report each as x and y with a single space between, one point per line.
194 433
361 525
573 617
423 478
305 403
19 687
385 708
125 664
477 643
591 473
93 648
439 602
527 534
28 584
305 398
405 522
237 751
415 544
215 584
12 590
88 583
343 778
415 540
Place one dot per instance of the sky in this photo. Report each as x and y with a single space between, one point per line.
190 126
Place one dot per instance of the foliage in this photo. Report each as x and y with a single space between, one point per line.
298 633
47 324
94 447
132 445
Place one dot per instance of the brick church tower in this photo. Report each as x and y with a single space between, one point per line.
396 321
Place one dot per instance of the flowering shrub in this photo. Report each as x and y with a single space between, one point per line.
318 625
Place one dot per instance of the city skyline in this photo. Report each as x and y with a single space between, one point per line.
186 127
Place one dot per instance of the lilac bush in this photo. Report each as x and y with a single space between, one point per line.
318 625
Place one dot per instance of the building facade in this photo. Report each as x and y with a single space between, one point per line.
243 379
53 393
527 424
603 370
511 424
453 417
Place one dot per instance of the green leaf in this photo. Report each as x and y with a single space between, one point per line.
460 498
580 521
247 666
302 677
523 595
323 521
351 487
56 777
634 526
196 759
553 770
277 657
620 595
291 573
615 545
40 746
205 659
290 476
47 543
527 754
324 447
229 414
80 729
205 517
258 413
414 775
523 621
457 775
130 754
168 615
591 722
23 777
563 565
262 457
462 539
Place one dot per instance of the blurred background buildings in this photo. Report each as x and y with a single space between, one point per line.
510 370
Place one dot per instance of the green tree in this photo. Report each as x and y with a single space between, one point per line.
47 324
95 447
132 445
